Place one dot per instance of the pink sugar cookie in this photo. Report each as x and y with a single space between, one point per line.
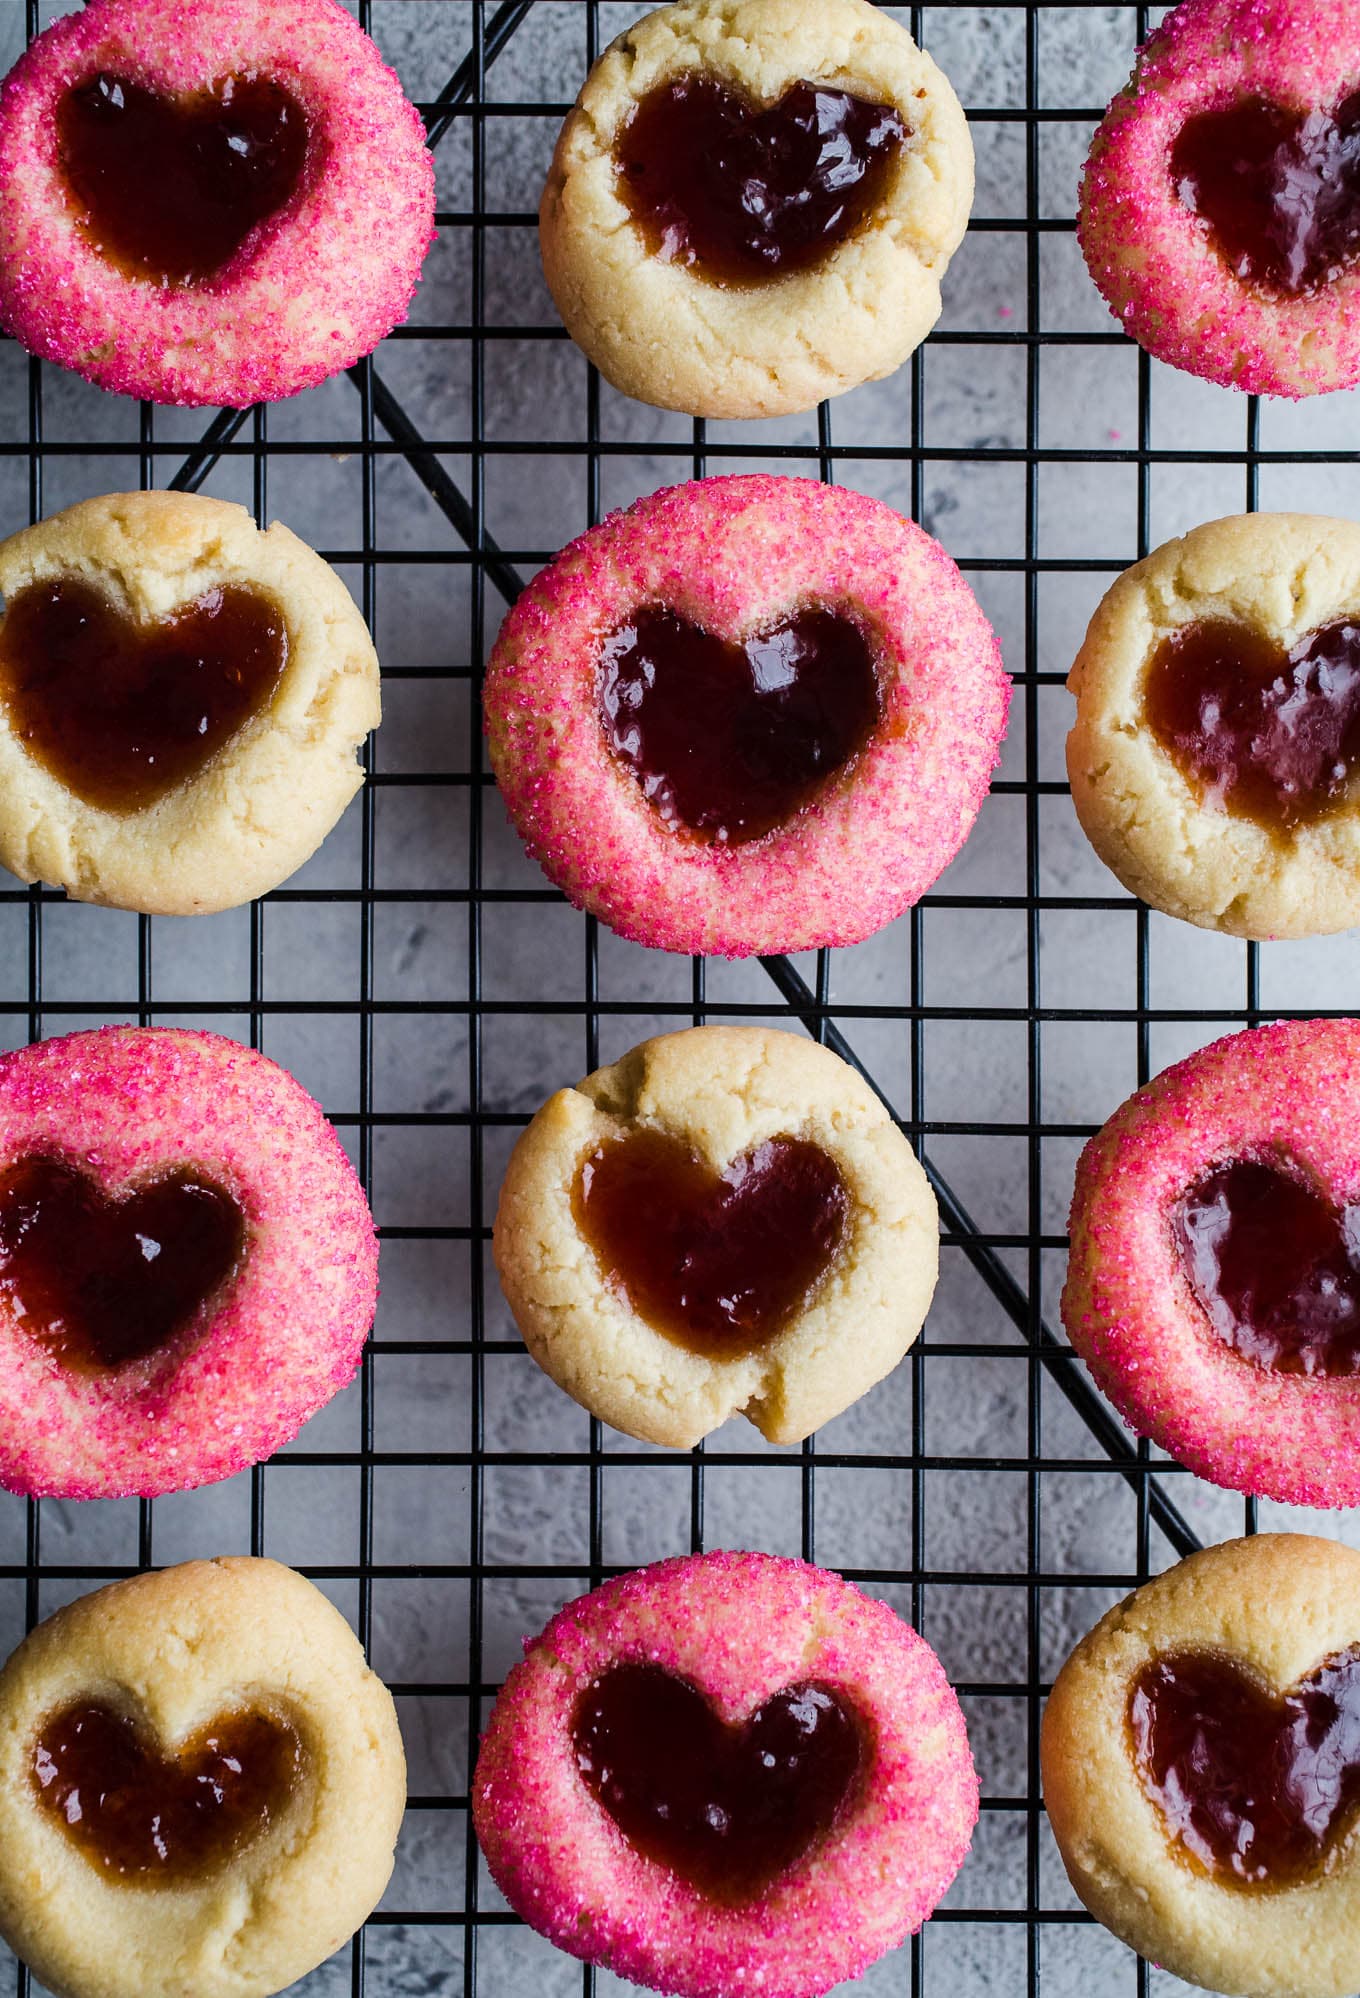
738 558
314 283
741 1629
1249 1148
1154 258
266 1347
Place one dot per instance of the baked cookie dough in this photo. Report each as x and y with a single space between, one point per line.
1201 1766
726 1773
726 1221
1220 206
188 1266
218 203
1218 726
183 700
241 1781
746 714
1213 1285
778 329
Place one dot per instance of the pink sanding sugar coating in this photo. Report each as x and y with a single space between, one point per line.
124 1104
309 293
730 554
1150 256
1128 1307
741 1628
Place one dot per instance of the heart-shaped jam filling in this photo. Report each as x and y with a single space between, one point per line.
1254 1788
718 1263
727 1808
170 188
740 193
728 741
122 712
1260 732
151 1819
1278 190
1275 1265
102 1281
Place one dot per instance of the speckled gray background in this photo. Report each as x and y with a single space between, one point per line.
1068 1521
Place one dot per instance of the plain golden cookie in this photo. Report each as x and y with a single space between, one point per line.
265 801
724 1092
1277 1605
1281 575
659 332
178 1650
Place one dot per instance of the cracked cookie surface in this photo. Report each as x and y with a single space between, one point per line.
265 800
173 1652
723 1092
661 333
1275 1606
1278 578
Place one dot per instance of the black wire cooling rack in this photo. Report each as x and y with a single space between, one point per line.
444 1930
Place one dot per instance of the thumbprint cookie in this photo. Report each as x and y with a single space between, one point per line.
1218 726
1213 1285
218 203
726 1773
1201 1765
183 700
747 714
753 203
201 1786
726 1221
188 1266
1220 208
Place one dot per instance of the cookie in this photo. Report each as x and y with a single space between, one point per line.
1213 1285
222 203
1220 206
726 1773
753 203
201 1785
726 1221
183 700
747 714
188 1266
1201 1765
1218 723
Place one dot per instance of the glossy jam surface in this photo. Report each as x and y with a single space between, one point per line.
718 1264
729 741
103 1281
169 189
149 1819
739 193
1278 189
1254 1788
1265 734
122 712
1275 1265
727 1808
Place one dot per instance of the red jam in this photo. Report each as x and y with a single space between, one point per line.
729 741
1278 190
150 1820
1266 734
172 188
1254 1789
122 712
1275 1266
718 1264
727 1808
103 1281
739 194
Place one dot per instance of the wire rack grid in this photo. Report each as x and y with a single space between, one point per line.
425 982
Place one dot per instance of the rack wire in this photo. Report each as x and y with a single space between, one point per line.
396 1500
